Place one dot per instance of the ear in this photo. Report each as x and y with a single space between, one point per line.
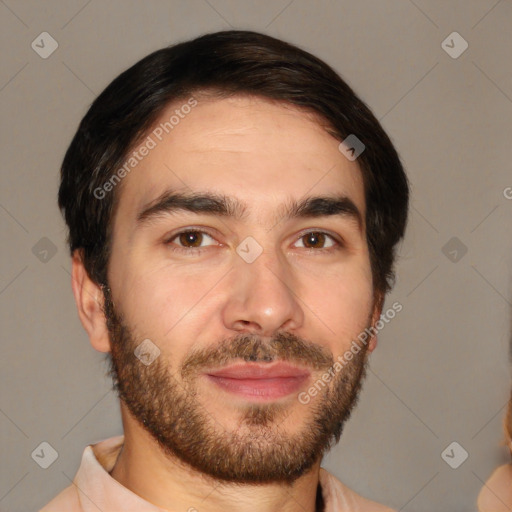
89 302
377 310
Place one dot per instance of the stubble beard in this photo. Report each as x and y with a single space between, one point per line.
259 450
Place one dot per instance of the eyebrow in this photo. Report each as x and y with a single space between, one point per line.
218 204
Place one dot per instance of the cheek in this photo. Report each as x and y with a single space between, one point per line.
343 304
165 304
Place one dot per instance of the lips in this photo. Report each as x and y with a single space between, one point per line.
259 381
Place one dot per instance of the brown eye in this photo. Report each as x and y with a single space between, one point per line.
314 240
190 238
317 240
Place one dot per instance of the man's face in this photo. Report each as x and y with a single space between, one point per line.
247 311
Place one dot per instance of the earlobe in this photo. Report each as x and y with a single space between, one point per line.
377 310
89 301
373 343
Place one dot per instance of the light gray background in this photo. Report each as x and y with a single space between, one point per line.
441 371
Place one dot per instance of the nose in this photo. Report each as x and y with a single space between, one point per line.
261 297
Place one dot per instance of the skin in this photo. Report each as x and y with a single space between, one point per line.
263 154
496 494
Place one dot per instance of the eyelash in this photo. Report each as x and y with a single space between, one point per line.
338 244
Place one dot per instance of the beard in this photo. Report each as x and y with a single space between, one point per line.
259 450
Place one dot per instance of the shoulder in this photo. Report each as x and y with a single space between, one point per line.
496 494
66 501
339 498
97 460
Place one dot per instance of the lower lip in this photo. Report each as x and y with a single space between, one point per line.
260 389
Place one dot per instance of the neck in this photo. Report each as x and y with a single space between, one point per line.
166 482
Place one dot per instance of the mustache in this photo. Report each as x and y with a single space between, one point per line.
282 346
251 348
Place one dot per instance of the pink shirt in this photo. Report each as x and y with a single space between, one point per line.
94 489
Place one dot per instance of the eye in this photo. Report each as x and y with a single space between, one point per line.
190 239
195 240
317 240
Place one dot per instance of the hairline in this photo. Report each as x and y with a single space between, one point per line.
213 93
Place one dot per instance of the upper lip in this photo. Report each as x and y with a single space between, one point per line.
259 371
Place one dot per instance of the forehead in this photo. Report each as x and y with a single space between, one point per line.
257 150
